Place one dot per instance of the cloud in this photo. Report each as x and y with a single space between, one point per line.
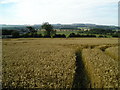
8 1
62 11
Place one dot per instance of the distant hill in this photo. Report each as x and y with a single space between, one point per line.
59 26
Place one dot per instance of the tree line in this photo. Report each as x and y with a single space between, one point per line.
51 33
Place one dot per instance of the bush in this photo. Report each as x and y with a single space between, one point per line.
46 36
72 35
6 32
101 36
116 35
78 35
59 36
26 35
15 34
40 36
36 35
30 35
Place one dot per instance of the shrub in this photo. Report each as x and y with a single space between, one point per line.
59 36
72 35
101 36
15 34
78 35
46 36
115 35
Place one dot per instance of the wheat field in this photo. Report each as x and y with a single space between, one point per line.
56 63
102 69
113 52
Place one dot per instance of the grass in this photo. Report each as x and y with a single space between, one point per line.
50 62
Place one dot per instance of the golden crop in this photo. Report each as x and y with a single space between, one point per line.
113 52
102 69
51 63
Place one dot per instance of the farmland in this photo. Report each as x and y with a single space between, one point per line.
60 63
60 32
67 33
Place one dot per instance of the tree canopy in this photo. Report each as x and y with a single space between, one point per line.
48 27
31 29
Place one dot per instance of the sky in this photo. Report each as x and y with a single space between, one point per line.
103 12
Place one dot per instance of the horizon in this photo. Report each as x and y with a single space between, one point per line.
21 12
63 24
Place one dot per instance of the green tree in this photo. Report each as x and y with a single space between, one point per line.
15 34
49 28
31 29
